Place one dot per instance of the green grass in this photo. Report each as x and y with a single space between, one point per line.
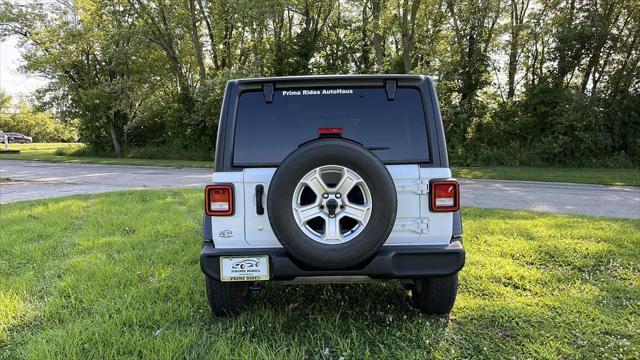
59 152
82 279
629 177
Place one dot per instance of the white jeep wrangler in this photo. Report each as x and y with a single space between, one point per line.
332 179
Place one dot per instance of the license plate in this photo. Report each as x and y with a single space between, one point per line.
244 268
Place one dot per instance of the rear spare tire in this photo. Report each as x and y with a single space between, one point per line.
332 203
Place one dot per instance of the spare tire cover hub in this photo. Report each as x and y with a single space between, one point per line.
332 204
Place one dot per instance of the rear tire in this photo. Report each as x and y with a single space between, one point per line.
227 298
435 296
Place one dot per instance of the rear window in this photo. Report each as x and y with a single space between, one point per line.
266 133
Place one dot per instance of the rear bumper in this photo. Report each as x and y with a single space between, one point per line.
391 262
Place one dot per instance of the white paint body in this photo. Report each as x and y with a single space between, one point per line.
415 224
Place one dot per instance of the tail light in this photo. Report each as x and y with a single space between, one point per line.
218 200
445 195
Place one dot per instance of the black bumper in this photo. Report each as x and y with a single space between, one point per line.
391 262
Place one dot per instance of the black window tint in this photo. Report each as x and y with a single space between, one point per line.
267 133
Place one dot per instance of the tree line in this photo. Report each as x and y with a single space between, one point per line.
40 125
521 82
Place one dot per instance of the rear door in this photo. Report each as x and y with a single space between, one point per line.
409 225
395 131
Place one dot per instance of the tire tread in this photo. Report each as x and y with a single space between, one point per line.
435 296
227 298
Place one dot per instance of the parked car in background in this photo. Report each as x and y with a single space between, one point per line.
18 138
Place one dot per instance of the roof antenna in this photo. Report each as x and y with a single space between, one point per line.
390 87
267 90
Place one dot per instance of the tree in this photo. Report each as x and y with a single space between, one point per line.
41 126
5 100
408 10
516 27
92 61
379 36
151 73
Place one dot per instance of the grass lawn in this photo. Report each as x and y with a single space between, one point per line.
117 275
602 176
47 152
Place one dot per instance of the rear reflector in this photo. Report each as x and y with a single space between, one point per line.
445 195
219 200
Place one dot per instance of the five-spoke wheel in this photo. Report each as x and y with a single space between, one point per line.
332 204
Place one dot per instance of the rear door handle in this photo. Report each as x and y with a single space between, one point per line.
259 194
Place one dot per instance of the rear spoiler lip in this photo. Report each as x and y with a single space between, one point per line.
336 78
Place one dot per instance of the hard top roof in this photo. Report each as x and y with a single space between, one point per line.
333 77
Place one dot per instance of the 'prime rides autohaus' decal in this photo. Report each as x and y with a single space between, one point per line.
317 92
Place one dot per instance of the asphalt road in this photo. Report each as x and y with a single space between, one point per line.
36 180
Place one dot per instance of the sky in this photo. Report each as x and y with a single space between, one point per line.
12 80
